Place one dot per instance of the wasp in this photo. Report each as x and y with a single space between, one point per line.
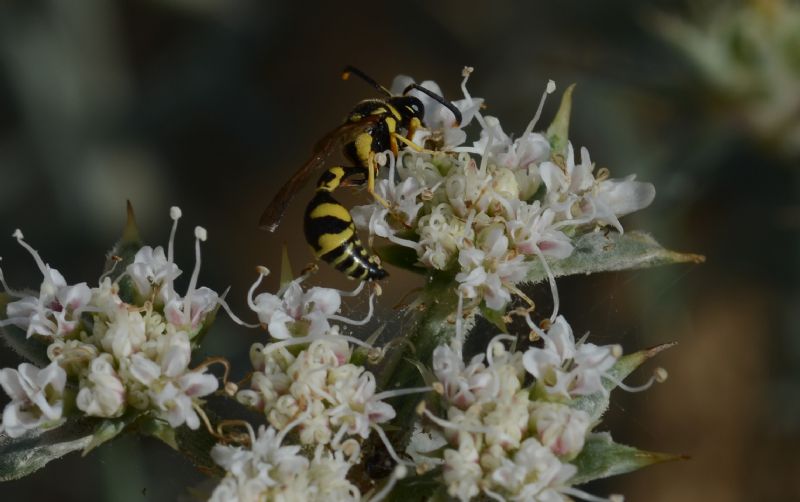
374 126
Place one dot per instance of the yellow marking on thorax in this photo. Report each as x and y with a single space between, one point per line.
378 111
328 209
395 114
328 242
363 147
355 117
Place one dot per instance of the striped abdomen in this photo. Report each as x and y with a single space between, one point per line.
332 235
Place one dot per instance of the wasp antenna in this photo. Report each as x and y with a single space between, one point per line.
366 78
450 106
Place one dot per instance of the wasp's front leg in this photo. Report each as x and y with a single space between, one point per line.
372 167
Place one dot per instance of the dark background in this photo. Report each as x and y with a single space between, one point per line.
211 104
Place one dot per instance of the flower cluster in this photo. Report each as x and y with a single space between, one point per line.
485 219
118 354
504 434
305 379
270 471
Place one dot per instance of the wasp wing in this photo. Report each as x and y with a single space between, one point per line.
340 136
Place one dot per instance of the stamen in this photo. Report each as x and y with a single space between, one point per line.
388 394
552 280
466 72
588 497
399 472
354 292
389 447
659 376
221 301
354 322
485 154
457 427
116 260
262 272
551 86
458 339
308 339
491 346
174 213
200 235
291 425
8 290
39 263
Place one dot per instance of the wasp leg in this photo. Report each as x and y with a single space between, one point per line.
411 144
372 168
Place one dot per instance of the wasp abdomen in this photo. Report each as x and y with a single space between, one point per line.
332 235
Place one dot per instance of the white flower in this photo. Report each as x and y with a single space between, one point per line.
566 370
462 473
560 428
36 397
151 268
296 313
534 474
532 232
463 386
102 393
125 333
175 399
57 309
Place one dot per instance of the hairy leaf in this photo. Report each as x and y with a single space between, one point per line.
598 252
601 457
29 453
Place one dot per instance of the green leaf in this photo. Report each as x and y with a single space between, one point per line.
599 252
287 275
597 404
108 429
33 349
426 487
558 132
29 453
159 429
401 257
601 457
496 317
122 254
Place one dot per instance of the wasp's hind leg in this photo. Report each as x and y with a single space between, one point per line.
372 168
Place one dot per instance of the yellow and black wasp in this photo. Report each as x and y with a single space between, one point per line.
374 126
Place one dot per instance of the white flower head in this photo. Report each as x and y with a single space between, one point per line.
102 393
36 397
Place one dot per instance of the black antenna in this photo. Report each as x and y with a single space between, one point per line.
450 106
366 78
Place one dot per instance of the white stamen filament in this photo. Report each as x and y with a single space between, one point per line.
221 301
175 214
39 263
354 322
485 155
454 426
458 339
389 447
309 339
659 376
551 86
262 272
399 472
8 290
387 394
291 425
552 280
490 347
588 497
200 235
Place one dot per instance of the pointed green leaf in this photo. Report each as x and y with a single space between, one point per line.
32 349
29 453
122 254
601 457
401 257
287 275
598 252
159 429
108 429
496 317
597 404
558 132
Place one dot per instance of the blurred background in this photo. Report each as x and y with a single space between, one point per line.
211 104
